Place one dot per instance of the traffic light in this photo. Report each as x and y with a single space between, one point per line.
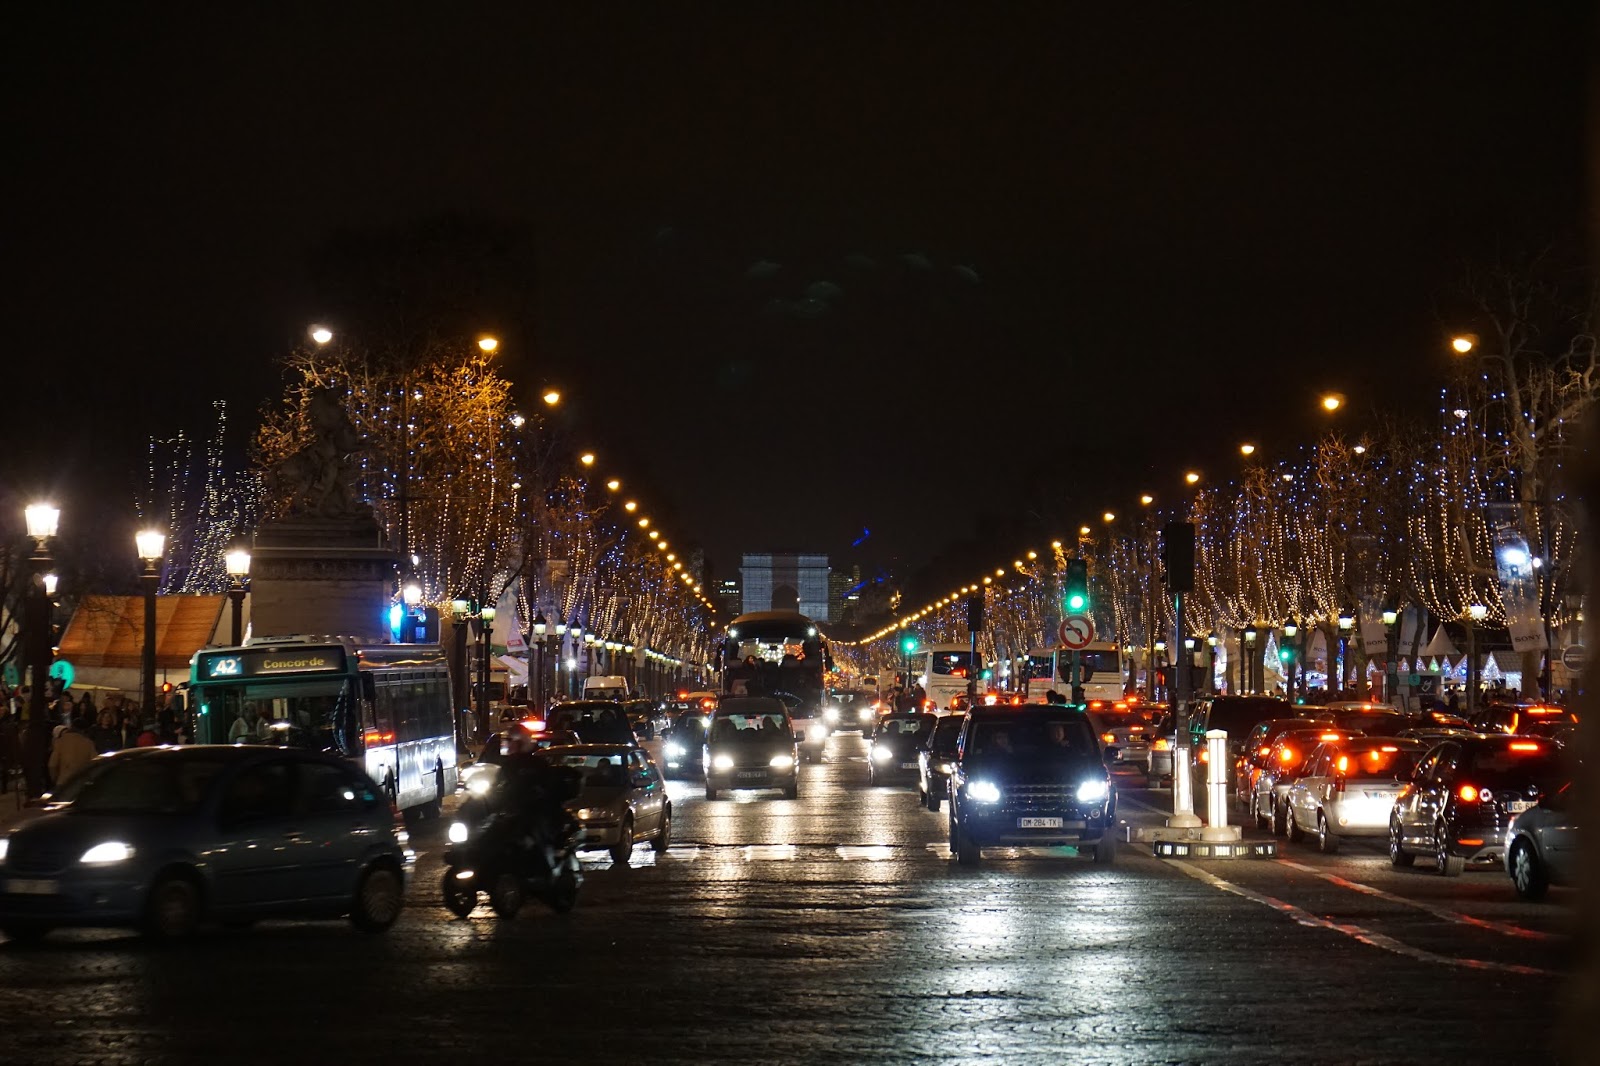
908 644
1077 598
1177 555
1286 655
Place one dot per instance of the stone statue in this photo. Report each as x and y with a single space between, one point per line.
316 479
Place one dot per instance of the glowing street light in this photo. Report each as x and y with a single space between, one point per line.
552 398
587 458
631 506
1247 449
1147 499
321 334
1332 402
1464 343
1192 477
613 484
488 344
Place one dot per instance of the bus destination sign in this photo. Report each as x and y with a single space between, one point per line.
271 662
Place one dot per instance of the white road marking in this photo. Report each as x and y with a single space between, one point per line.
1355 932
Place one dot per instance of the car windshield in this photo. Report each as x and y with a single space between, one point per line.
945 732
141 786
743 728
1504 766
908 727
1042 737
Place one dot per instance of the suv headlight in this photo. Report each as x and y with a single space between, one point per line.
722 762
1092 791
881 754
831 714
781 762
818 732
983 792
675 749
105 854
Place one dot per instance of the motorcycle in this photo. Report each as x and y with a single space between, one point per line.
514 848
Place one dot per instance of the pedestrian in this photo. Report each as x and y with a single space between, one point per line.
10 745
148 737
1453 705
71 752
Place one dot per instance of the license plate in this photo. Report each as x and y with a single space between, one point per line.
745 775
1038 823
20 887
1517 806
908 766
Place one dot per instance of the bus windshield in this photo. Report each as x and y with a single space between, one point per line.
314 714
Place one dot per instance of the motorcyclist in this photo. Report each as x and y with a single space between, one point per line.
527 808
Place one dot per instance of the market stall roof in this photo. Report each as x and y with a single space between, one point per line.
108 631
1440 647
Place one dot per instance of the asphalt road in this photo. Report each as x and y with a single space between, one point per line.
834 929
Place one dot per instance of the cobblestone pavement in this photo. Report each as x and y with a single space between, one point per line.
834 929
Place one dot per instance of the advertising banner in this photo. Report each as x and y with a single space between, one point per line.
1519 582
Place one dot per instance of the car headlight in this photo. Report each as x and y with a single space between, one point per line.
589 814
818 732
864 714
675 749
105 854
831 714
478 784
5 845
722 762
881 754
983 792
945 767
458 832
1092 791
781 762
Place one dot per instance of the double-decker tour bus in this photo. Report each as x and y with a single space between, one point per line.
772 653
1100 672
387 706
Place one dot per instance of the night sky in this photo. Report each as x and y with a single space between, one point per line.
936 277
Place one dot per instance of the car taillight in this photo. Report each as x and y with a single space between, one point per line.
1161 744
1523 745
1286 756
1108 738
1205 755
1468 794
1264 750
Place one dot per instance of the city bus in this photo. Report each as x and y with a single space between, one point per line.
942 670
386 706
766 653
1100 666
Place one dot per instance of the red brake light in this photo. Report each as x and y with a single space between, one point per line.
1468 794
533 725
1344 764
1108 738
1330 736
1095 705
1523 745
1264 750
1388 747
1286 755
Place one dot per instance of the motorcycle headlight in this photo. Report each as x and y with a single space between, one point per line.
722 762
881 754
478 784
781 762
1092 791
458 832
106 854
831 714
983 792
5 846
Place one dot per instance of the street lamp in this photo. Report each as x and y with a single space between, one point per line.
560 640
540 628
42 520
237 563
1391 648
1346 624
460 611
151 543
1247 669
1332 402
1476 613
1290 632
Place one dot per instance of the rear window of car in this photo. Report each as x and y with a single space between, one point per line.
1373 723
1509 767
1375 761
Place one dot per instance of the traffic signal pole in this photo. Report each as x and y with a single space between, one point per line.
1178 555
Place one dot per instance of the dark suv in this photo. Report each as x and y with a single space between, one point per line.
1465 794
1030 775
751 745
1235 715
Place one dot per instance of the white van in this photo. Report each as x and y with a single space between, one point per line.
605 687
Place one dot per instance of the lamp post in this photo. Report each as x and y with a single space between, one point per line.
1346 624
1475 614
1290 631
1155 669
1211 663
629 666
1247 668
540 628
238 566
151 544
1391 650
560 640
589 641
460 611
42 521
485 631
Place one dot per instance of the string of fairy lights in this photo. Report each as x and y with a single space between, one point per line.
1336 530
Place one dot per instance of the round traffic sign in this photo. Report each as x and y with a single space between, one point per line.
1076 632
1575 657
63 672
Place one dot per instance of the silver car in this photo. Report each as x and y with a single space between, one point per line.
165 838
623 800
1349 787
1542 845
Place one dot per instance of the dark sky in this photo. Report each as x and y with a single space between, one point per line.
809 274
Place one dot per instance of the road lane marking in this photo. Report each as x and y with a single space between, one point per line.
1355 932
1504 928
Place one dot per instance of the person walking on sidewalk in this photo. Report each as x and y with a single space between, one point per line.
72 751
10 745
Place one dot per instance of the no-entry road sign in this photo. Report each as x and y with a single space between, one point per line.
1076 632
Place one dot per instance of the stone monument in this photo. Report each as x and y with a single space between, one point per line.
322 567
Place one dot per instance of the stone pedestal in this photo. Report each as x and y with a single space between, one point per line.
322 576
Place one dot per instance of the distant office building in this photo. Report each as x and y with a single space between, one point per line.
729 598
786 582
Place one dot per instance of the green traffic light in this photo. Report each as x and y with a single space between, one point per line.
1076 602
1285 655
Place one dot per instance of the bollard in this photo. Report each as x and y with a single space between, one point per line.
1217 770
1183 816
